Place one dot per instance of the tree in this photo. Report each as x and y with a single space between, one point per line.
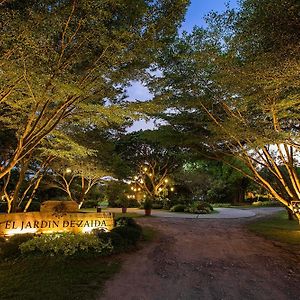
67 61
152 165
77 179
233 92
213 181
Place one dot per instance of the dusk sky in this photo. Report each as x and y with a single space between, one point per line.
194 17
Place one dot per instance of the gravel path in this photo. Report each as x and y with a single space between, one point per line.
206 259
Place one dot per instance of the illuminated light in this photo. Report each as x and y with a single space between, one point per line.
139 189
135 190
68 170
166 180
141 181
145 169
87 229
135 177
20 231
150 175
128 196
50 222
172 189
144 196
160 189
132 188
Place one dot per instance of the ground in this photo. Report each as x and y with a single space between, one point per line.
206 259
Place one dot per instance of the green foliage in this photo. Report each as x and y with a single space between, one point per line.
11 247
147 204
199 207
90 204
178 208
270 203
235 89
124 236
119 243
225 205
115 192
157 205
125 221
66 244
129 234
65 67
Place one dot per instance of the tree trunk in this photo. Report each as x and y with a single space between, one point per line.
291 215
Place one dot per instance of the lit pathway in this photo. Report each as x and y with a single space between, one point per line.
223 213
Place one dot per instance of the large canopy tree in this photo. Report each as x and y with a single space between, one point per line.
233 90
67 61
63 60
152 164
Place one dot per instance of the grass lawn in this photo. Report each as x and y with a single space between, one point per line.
278 228
55 278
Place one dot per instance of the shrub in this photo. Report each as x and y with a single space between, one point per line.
67 244
10 248
125 235
178 208
267 203
157 205
90 204
130 234
119 243
221 205
199 208
126 221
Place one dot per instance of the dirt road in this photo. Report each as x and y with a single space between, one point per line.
206 259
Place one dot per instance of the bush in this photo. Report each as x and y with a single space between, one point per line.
119 244
10 248
126 221
90 204
130 234
157 205
124 236
199 208
178 208
221 205
67 244
269 203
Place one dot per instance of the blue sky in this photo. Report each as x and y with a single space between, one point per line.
199 8
194 17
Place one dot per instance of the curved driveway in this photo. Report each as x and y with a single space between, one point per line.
222 213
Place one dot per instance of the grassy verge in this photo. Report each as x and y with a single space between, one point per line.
278 228
55 278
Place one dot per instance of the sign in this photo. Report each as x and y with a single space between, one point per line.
49 222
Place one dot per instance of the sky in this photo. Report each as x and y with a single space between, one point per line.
199 8
195 15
